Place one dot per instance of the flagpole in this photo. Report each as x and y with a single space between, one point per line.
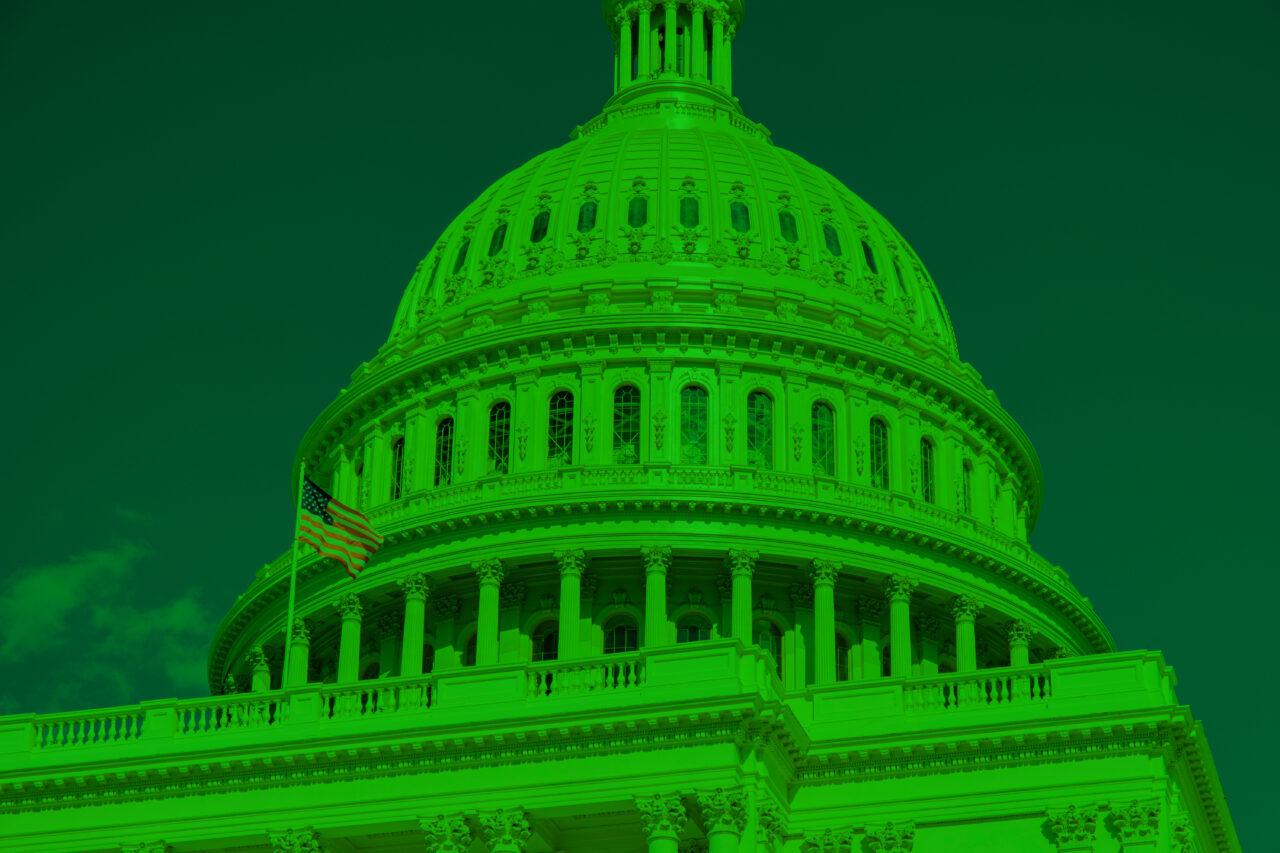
286 676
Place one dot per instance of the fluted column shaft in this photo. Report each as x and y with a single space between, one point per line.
824 620
717 48
644 33
415 614
624 51
670 43
870 610
742 565
349 642
965 611
261 670
898 591
572 562
490 573
1019 643
300 655
698 33
657 560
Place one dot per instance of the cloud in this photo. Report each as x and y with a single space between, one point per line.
134 516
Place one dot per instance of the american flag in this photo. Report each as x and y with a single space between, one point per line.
335 529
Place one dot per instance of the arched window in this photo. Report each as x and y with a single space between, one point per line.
397 469
499 437
760 430
626 425
462 255
620 635
832 237
638 211
693 629
444 452
870 257
689 212
926 470
897 274
767 636
499 237
540 224
966 487
842 658
560 429
740 217
586 217
371 671
546 642
824 439
428 658
695 416
879 454
469 652
787 225
358 468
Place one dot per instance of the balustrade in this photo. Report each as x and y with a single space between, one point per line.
89 729
221 713
615 672
981 690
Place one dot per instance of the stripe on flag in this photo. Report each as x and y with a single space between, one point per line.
336 530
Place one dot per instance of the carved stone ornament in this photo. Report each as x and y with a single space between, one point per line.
619 596
656 558
256 658
870 608
662 816
730 423
522 440
830 841
659 420
589 430
295 841
1184 837
511 594
769 826
802 596
446 834
1073 826
1061 652
1019 632
590 583
146 847
349 606
899 587
964 607
301 630
723 811
229 685
742 561
446 606
489 570
1138 821
509 831
390 625
892 838
825 571
797 441
573 561
927 625
414 586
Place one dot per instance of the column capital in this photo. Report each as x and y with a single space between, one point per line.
742 561
446 834
349 605
769 825
662 815
511 594
508 830
295 841
928 625
870 608
1019 632
1074 825
1137 821
964 607
825 571
830 841
1061 652
723 811
657 558
573 561
445 606
892 838
301 630
489 570
256 658
802 595
415 586
899 587
390 624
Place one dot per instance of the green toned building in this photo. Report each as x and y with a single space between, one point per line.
700 536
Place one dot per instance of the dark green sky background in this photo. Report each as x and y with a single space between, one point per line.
210 211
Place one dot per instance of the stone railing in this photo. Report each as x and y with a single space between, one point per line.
88 728
575 678
986 688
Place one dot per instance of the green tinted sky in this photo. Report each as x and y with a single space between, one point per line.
210 211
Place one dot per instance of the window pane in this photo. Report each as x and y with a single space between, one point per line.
879 454
833 239
546 643
462 255
540 223
689 212
560 429
760 430
444 452
499 237
966 488
824 439
740 217
621 637
397 469
695 415
787 223
626 425
638 211
869 256
499 437
693 630
926 470
842 659
587 216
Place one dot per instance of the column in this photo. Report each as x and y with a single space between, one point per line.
1074 828
663 819
1138 824
670 42
415 590
717 47
257 660
698 33
927 629
352 612
300 653
446 608
446 834
1019 643
644 36
824 620
769 829
505 831
727 65
624 48
965 610
490 574
294 840
742 564
897 590
870 609
657 559
510 601
724 817
390 636
573 561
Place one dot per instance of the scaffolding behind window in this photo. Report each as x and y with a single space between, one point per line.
560 429
397 469
966 488
824 439
626 425
444 452
879 454
926 470
695 418
760 430
499 437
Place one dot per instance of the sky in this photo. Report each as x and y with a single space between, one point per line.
210 211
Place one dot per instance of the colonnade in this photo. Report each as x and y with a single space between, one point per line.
643 27
407 635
